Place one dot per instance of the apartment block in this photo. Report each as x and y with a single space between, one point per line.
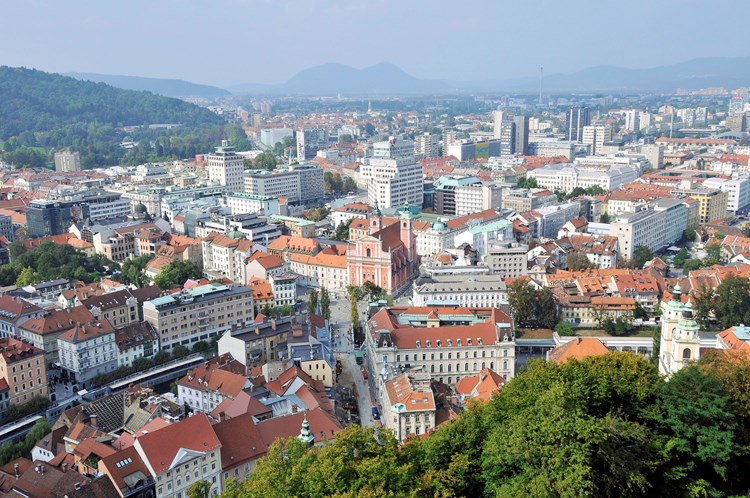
299 183
241 203
393 176
199 314
22 370
507 259
654 226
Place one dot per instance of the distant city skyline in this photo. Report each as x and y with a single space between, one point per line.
231 42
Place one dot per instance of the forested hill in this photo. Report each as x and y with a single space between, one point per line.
42 112
38 101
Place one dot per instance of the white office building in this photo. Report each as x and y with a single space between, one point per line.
477 197
486 291
566 177
738 190
596 137
654 226
299 183
271 136
225 167
241 203
393 176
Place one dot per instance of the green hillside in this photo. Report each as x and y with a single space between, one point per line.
42 112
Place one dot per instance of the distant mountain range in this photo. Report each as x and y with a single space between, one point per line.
159 86
388 79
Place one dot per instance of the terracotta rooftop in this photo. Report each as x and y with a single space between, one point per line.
241 441
579 348
163 446
241 404
401 391
481 386
322 425
13 308
58 321
125 467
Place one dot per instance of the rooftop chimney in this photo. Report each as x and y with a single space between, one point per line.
93 421
273 324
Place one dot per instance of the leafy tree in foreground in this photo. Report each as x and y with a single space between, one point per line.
605 426
521 300
698 424
732 301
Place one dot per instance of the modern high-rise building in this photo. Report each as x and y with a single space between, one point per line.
67 160
521 135
46 217
507 138
576 119
596 137
632 120
226 167
309 142
394 178
497 122
299 183
427 145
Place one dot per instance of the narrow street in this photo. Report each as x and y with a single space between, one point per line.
352 371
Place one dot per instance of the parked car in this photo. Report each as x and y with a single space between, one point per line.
375 413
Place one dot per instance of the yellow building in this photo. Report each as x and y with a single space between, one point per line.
712 203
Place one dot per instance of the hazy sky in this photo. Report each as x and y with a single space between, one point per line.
225 42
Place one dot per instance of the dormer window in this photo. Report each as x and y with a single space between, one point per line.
419 344
479 341
438 343
468 341
429 343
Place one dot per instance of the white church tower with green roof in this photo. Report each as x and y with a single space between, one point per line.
680 342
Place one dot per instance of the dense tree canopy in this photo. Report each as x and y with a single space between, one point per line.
531 305
43 112
176 274
604 426
50 261
265 160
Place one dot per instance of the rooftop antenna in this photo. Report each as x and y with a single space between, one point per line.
541 79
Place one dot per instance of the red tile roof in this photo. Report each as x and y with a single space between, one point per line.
322 425
194 433
122 464
481 386
579 348
241 441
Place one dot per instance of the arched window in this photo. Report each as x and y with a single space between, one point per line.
449 367
368 252
441 368
466 367
432 368
686 354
